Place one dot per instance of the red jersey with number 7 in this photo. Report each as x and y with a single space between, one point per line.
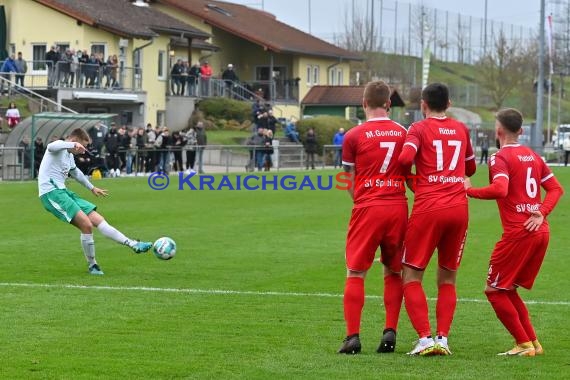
526 172
372 148
442 147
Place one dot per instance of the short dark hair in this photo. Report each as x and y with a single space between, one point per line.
510 118
436 96
80 134
377 94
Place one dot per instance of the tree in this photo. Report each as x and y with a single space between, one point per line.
505 67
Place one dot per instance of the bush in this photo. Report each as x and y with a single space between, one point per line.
226 109
325 128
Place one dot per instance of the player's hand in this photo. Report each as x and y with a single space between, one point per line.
534 222
467 183
99 192
78 148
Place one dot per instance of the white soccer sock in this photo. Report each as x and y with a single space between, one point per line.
88 245
114 234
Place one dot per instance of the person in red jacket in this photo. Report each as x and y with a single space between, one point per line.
205 75
516 174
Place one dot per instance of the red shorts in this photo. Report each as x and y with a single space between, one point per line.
372 227
517 262
443 229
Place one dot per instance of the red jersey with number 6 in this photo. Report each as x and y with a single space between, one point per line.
525 171
442 147
372 148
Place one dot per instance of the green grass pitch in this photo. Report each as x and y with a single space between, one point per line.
253 293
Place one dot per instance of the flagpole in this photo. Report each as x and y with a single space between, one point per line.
551 71
549 106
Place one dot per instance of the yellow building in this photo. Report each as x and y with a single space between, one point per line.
271 59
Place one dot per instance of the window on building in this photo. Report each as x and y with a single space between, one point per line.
340 77
63 46
162 64
38 56
315 75
309 74
160 118
99 49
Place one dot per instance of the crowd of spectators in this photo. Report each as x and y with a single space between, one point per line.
127 151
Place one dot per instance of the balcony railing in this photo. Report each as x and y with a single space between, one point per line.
44 75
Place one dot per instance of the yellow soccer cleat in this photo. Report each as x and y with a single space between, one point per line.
523 349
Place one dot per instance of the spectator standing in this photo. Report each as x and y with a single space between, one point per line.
176 77
257 141
112 144
191 142
142 154
178 142
205 76
8 67
338 138
22 69
52 58
230 78
310 148
566 147
268 150
484 151
193 79
202 141
163 143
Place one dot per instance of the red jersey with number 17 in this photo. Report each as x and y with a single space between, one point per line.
372 148
526 171
442 147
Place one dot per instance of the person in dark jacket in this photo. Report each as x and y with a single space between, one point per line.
310 147
112 148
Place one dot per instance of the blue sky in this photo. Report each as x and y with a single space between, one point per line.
326 24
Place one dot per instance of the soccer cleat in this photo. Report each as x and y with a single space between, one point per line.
424 347
538 350
441 346
94 269
388 342
523 349
141 247
350 345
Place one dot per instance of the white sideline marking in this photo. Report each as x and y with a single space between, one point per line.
231 292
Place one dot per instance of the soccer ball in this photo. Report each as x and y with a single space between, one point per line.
164 248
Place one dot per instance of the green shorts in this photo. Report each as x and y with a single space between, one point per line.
65 204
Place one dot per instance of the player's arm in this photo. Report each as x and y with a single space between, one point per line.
70 145
78 175
496 190
348 161
553 193
410 149
470 159
58 145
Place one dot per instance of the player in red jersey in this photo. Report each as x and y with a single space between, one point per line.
516 174
443 156
370 159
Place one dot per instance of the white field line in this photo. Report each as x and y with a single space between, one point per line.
230 292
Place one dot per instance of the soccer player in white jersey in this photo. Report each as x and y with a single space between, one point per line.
58 162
